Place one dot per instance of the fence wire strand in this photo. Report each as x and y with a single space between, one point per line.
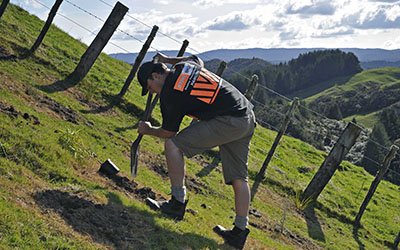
81 26
268 108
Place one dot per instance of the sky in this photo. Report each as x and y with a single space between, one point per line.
232 24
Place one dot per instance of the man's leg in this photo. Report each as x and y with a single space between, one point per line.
174 208
176 170
175 162
237 236
242 202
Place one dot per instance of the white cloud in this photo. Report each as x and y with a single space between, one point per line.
162 2
179 25
233 21
384 1
374 17
393 13
205 4
308 8
272 23
335 32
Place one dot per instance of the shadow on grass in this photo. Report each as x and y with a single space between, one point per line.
8 58
58 86
19 51
111 102
118 226
114 101
313 225
356 227
211 166
267 181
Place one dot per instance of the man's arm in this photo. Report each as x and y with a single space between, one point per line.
146 128
173 60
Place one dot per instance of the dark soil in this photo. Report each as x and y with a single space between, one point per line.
13 113
61 111
124 184
109 224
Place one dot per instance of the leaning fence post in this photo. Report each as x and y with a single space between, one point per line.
282 130
95 48
332 161
397 241
252 88
138 61
183 48
385 165
3 7
46 27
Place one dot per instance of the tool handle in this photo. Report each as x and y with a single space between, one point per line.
148 107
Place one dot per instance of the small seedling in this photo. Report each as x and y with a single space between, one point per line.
70 140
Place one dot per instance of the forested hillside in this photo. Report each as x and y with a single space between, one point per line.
308 71
332 84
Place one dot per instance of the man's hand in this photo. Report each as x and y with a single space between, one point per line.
167 59
146 128
161 58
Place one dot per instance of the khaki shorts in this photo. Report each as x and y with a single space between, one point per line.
231 134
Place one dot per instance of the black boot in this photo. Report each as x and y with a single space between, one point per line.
172 208
235 237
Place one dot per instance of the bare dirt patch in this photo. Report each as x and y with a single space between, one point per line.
60 111
110 224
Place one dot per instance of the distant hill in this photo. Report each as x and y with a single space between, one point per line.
362 94
237 65
369 58
379 64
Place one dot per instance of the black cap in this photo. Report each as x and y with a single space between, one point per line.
143 74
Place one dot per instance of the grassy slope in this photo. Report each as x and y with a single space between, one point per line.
335 88
52 197
384 76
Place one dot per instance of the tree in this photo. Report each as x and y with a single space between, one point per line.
334 112
374 152
391 120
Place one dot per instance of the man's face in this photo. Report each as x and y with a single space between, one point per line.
154 83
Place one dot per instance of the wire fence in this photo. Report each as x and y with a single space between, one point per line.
265 107
262 122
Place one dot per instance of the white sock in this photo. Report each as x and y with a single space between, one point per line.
241 221
179 193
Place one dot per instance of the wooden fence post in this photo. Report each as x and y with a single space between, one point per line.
282 130
252 88
95 48
183 48
385 165
396 241
138 61
3 7
46 27
221 68
332 161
